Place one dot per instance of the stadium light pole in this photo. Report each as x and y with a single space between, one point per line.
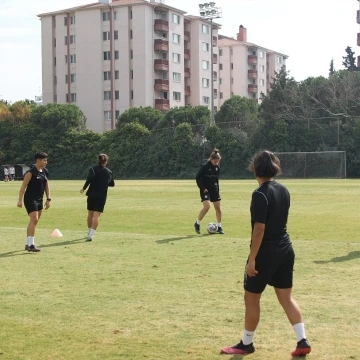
209 12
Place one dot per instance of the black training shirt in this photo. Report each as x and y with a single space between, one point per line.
36 186
99 179
270 205
208 177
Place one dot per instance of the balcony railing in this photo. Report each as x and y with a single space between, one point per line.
187 72
187 91
161 84
186 35
358 17
215 76
252 74
215 59
252 88
161 25
215 40
358 39
186 54
161 65
162 104
161 45
252 59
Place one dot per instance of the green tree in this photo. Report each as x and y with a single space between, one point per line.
350 60
147 116
332 69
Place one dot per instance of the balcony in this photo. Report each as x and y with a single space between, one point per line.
358 39
358 17
252 88
252 74
162 104
187 72
186 54
215 40
161 25
161 65
215 76
215 94
187 91
162 85
215 59
215 108
186 35
161 45
252 59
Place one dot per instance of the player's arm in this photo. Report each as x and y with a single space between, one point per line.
111 182
48 197
24 184
90 176
200 179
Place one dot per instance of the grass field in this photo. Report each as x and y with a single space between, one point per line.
148 287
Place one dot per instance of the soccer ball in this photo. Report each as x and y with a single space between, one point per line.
212 228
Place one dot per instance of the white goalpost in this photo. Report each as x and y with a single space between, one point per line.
312 165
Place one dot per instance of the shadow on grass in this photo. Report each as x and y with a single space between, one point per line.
351 256
169 240
24 252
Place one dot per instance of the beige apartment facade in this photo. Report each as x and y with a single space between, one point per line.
246 69
106 57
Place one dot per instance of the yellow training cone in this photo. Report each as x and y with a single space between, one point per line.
56 233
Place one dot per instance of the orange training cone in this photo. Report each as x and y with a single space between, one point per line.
56 233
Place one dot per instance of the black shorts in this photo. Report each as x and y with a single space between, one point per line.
95 204
212 195
33 205
273 271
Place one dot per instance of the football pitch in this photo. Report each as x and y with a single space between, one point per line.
148 287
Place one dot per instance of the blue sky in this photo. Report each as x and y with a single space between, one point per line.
311 32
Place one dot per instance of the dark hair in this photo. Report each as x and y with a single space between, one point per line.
102 159
215 155
40 155
265 165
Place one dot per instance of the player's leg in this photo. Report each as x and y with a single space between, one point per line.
217 207
34 217
89 220
203 211
99 205
282 282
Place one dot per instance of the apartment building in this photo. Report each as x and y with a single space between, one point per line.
109 56
246 69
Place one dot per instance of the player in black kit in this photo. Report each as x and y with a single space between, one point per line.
99 179
271 258
34 185
207 180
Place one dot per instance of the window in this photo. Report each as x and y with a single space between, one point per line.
107 115
232 94
164 56
254 53
254 81
176 77
65 20
205 65
54 42
73 78
65 59
106 35
254 67
117 95
65 40
132 94
132 74
117 74
117 114
164 75
205 46
175 19
176 39
221 95
254 95
231 51
67 97
232 80
176 96
116 54
106 75
73 59
116 35
55 80
107 55
55 61
261 54
72 39
73 97
131 34
220 66
106 16
278 59
115 15
262 68
232 66
176 58
220 81
72 20
131 54
107 95
205 29
262 82
66 79
206 100
205 83
130 14
220 52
